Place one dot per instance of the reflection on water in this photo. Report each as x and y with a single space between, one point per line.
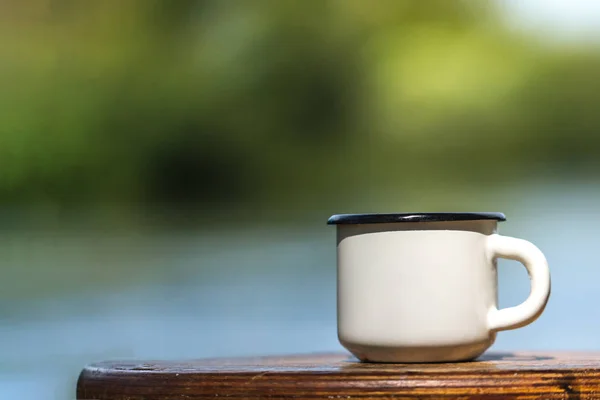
174 295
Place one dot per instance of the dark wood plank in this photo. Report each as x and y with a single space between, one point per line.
339 376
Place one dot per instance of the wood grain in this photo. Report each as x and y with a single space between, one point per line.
520 375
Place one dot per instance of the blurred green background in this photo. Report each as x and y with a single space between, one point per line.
270 105
167 167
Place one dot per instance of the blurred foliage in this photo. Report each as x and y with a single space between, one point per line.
280 103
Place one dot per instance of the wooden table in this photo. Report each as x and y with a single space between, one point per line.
339 376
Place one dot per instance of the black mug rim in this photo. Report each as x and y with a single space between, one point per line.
380 218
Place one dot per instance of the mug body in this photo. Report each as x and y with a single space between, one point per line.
416 291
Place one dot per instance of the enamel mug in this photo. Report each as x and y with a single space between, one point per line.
423 287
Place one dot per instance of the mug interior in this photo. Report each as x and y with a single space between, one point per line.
372 218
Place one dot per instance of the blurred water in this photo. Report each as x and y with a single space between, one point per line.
201 294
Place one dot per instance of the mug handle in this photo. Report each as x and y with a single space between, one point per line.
534 261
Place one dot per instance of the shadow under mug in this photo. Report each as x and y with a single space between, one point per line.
423 287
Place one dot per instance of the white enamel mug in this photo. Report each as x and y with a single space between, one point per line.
423 287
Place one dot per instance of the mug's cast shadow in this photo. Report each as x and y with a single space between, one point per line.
486 357
506 356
